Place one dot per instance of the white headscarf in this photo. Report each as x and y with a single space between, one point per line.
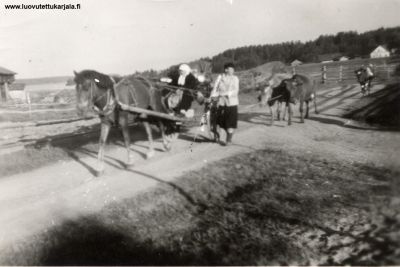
186 70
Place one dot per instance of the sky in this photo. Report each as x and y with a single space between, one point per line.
124 36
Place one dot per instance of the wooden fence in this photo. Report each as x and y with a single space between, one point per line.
344 71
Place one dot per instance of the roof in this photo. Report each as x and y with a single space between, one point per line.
296 61
331 56
383 46
6 71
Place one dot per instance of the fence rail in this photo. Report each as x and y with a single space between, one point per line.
343 71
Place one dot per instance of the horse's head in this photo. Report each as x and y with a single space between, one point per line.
83 89
293 83
265 92
89 85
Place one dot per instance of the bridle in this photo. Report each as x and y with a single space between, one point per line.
110 102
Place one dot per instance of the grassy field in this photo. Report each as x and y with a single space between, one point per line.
263 208
38 116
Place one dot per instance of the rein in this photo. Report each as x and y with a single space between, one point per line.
276 97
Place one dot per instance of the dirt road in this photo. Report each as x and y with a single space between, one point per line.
32 202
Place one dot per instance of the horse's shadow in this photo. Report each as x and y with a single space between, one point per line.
120 165
258 118
341 123
194 138
133 145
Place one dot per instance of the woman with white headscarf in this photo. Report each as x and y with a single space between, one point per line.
187 80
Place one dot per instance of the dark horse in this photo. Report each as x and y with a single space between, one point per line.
364 80
271 95
304 89
290 90
100 92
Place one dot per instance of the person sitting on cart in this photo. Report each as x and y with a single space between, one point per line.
186 80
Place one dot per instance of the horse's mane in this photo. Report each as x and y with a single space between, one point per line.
102 80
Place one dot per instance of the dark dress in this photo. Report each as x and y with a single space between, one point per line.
188 97
227 117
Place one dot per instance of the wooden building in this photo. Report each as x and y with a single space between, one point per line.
380 51
6 78
296 63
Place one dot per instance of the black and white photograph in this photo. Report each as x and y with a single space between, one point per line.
199 132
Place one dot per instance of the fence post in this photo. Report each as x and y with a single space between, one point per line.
340 73
323 74
387 70
28 99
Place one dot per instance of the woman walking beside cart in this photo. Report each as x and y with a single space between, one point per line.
226 90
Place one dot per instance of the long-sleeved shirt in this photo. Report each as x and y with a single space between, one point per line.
226 88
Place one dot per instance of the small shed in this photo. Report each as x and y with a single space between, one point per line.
7 77
380 51
295 63
326 58
17 93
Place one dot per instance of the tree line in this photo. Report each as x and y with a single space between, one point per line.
350 43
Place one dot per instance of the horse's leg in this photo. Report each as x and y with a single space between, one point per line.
301 110
123 122
369 86
284 112
271 110
166 142
105 129
315 103
290 111
278 110
363 89
149 153
307 109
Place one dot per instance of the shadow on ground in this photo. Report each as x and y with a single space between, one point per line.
258 213
381 107
88 241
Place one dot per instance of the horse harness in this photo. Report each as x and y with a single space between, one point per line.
110 105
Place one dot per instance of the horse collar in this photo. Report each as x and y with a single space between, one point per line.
110 102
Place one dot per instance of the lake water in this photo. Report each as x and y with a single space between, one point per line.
48 87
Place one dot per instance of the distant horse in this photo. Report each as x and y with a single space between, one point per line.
99 92
364 80
303 89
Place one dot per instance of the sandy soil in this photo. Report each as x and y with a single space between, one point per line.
32 202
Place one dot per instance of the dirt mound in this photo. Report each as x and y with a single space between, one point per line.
258 76
271 67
